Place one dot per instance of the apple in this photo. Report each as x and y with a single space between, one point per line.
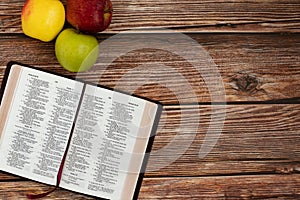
75 51
90 16
43 20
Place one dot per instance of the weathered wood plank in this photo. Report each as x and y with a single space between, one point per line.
239 187
19 190
254 139
186 16
253 67
8 177
261 139
195 15
229 187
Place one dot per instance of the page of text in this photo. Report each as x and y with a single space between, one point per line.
37 129
103 141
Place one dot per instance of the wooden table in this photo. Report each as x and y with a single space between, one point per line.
255 45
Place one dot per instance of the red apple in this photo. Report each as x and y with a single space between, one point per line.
90 16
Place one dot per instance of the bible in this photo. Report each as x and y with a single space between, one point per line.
73 134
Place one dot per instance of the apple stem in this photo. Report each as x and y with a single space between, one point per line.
77 30
108 10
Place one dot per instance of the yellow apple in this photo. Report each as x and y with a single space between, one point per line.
43 19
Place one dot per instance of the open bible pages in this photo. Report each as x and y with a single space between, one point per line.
37 114
74 135
108 144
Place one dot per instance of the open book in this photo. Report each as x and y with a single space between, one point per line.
97 136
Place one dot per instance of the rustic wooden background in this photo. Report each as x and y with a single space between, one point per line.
256 46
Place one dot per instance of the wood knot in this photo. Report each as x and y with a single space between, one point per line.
245 82
286 170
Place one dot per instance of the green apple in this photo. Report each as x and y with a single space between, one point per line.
75 51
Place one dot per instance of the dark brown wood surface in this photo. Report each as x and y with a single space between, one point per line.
255 45
187 16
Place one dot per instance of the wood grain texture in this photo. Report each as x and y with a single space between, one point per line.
235 187
19 190
186 16
8 177
255 139
239 187
252 67
204 16
255 44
